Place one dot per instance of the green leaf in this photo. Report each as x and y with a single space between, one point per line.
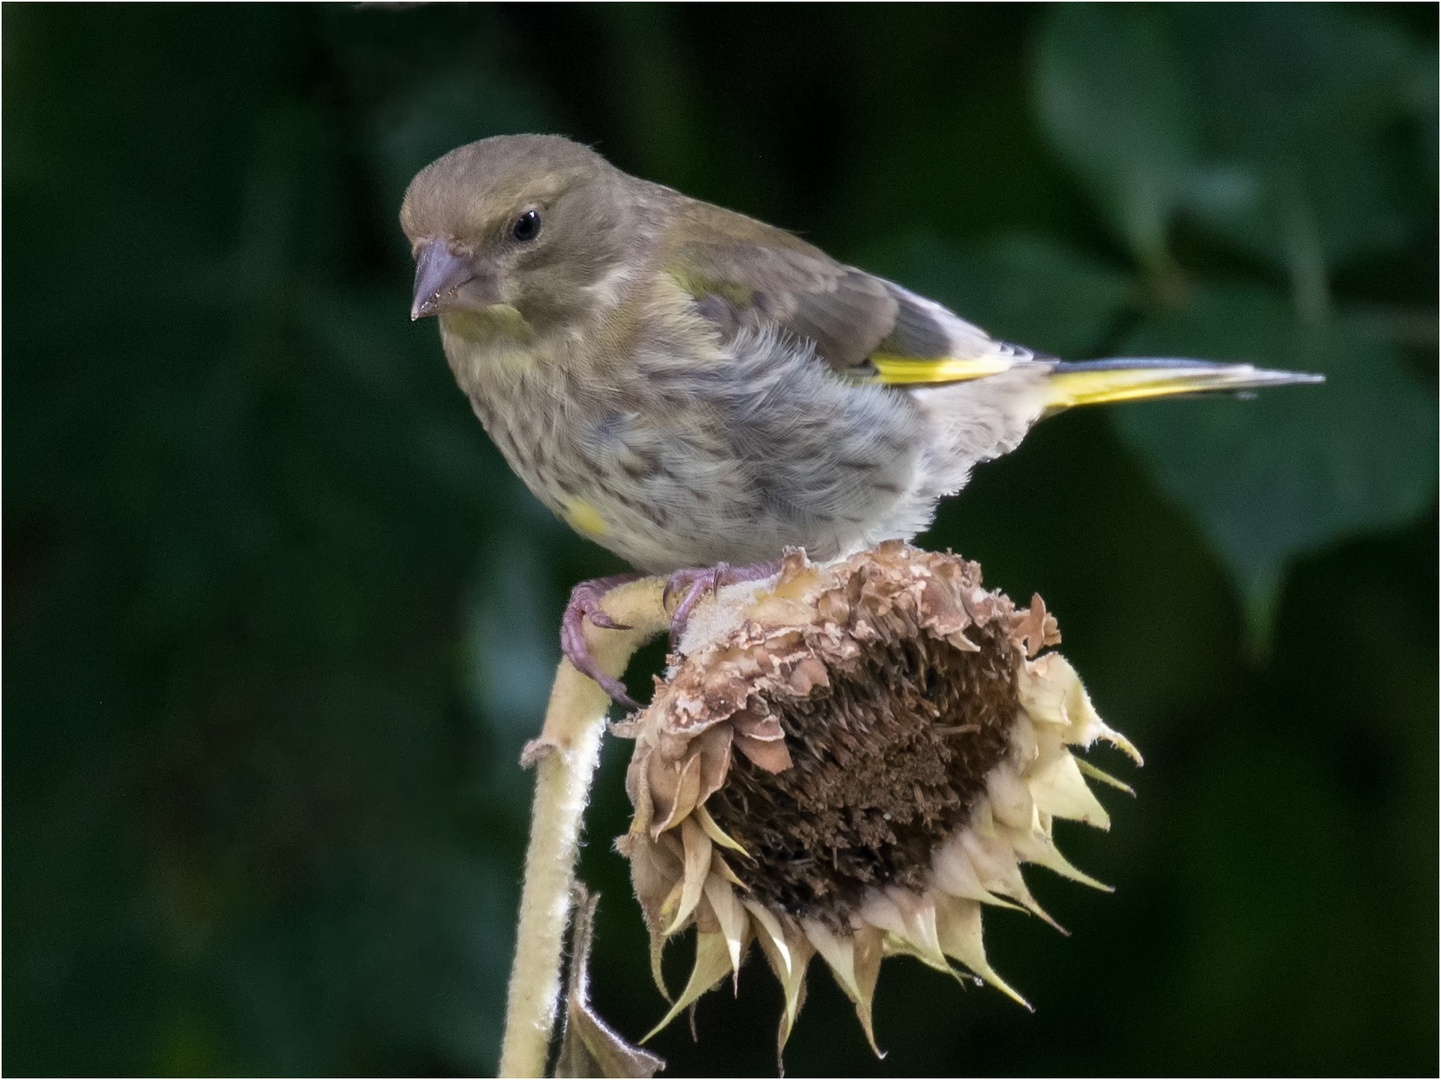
1297 468
1276 125
1304 101
1115 101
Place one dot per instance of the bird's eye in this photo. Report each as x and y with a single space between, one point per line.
526 227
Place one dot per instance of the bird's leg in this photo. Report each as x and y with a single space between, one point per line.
694 584
584 604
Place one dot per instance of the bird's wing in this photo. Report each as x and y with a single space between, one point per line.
748 275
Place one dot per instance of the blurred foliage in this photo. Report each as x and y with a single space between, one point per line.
1277 127
278 619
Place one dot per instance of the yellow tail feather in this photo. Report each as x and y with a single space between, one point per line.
1090 383
1081 384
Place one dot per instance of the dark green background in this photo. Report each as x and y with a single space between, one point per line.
278 619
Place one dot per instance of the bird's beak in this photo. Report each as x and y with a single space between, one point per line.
448 282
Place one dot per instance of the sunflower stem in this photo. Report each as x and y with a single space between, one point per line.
565 757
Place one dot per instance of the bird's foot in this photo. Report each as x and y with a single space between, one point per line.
692 585
585 600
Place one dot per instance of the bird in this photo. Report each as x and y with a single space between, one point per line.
698 391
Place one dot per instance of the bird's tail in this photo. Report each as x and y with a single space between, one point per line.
1131 379
977 416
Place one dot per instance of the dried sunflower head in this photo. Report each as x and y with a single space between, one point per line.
851 762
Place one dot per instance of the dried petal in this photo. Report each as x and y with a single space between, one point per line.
697 869
1060 790
958 926
712 961
855 961
734 926
714 831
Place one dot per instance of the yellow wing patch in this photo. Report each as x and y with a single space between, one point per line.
584 518
909 370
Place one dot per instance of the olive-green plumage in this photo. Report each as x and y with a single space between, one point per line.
687 386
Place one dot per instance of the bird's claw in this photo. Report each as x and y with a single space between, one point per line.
696 583
604 621
691 585
585 600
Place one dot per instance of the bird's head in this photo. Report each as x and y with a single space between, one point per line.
528 225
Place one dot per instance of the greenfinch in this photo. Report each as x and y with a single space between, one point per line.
690 387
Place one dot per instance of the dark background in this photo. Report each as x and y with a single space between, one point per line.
278 619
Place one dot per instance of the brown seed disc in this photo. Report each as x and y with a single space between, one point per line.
888 761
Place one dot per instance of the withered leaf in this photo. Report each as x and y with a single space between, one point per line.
588 1045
